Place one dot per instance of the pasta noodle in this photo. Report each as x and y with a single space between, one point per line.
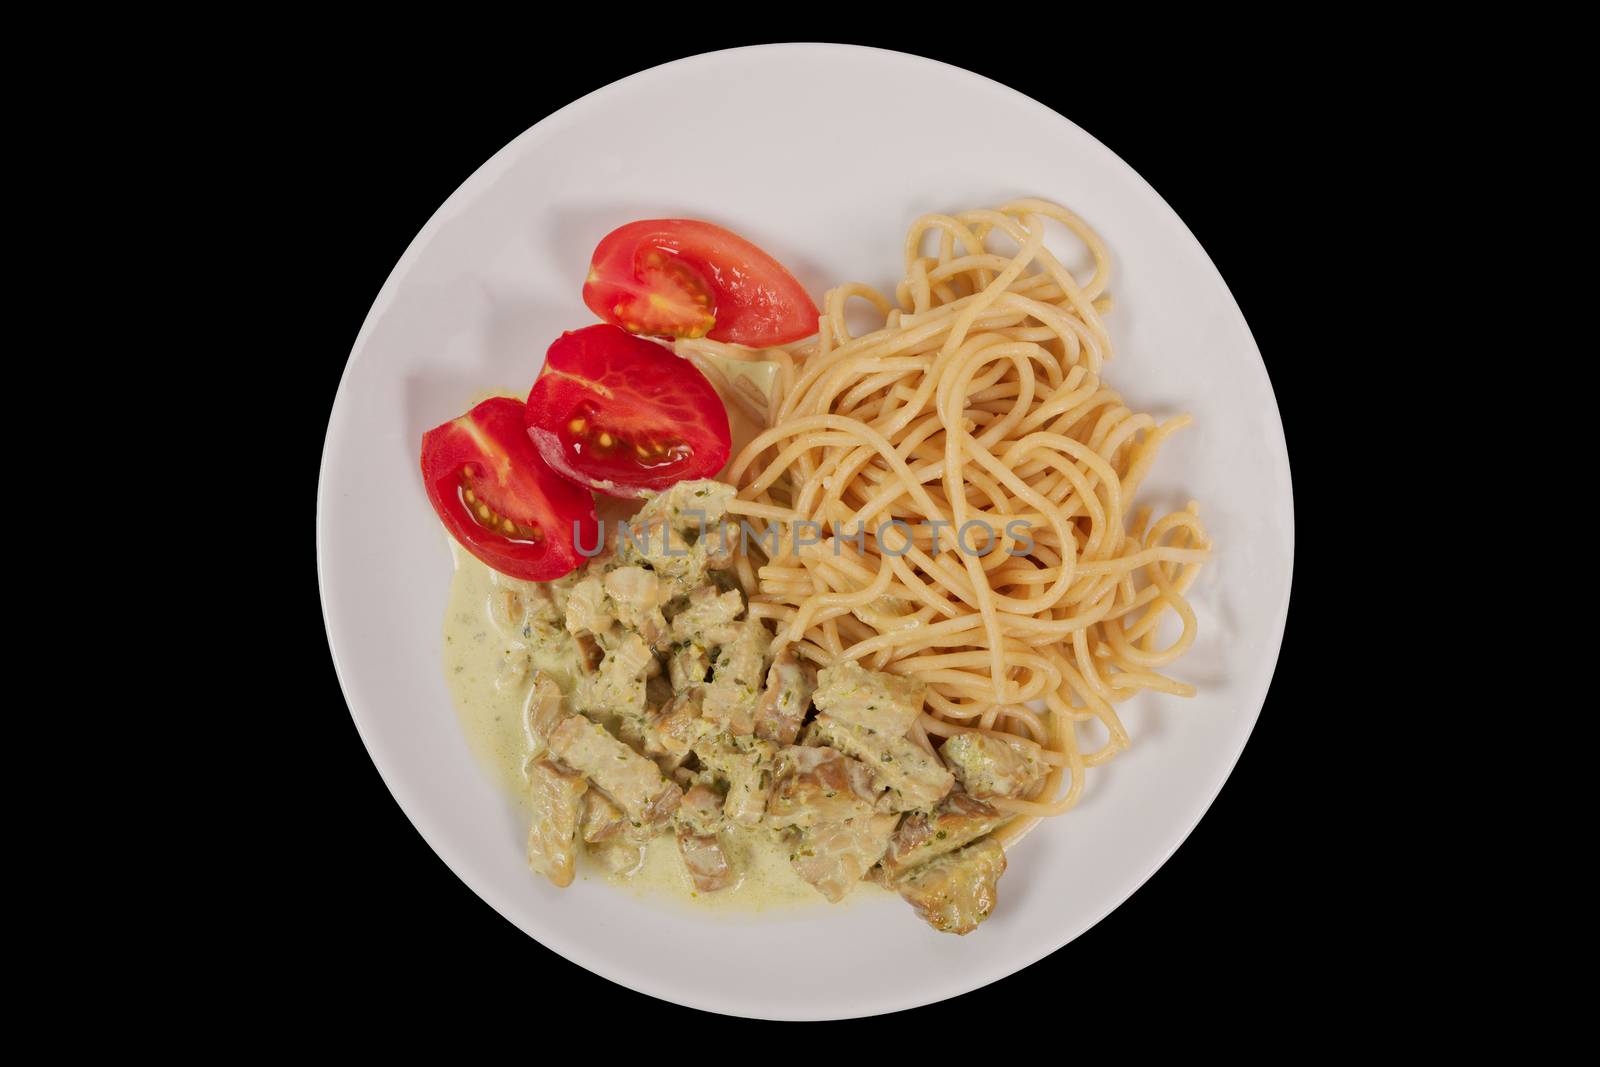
976 409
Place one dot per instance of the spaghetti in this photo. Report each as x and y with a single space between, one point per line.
977 409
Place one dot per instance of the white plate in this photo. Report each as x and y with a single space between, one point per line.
821 154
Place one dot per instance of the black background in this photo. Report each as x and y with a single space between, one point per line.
1234 144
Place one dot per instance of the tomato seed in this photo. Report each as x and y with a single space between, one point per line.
493 520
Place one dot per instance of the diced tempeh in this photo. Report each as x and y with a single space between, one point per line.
959 821
988 766
915 775
699 819
552 839
956 892
632 781
834 856
710 619
633 595
747 764
735 686
815 785
783 705
884 703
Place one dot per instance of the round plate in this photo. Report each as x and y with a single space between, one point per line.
817 154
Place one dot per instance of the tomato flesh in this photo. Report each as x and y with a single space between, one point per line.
651 291
686 278
500 500
625 416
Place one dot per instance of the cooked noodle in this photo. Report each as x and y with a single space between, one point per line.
980 398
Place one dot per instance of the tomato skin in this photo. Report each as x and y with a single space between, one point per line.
754 300
487 452
625 416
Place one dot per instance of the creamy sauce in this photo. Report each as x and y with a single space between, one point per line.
490 675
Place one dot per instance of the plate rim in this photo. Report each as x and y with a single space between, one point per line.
569 949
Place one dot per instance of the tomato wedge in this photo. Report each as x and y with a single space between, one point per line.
500 500
625 416
684 278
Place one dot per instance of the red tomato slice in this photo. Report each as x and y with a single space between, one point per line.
625 416
683 278
500 500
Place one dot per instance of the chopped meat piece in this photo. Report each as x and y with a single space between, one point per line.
588 609
614 842
633 599
916 776
956 892
687 665
707 862
747 765
960 820
552 840
522 611
647 540
883 703
629 779
701 811
657 690
699 819
783 705
733 693
670 764
618 855
709 618
680 534
989 766
560 590
833 856
698 511
589 654
618 687
674 729
602 819
542 713
817 785
691 507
